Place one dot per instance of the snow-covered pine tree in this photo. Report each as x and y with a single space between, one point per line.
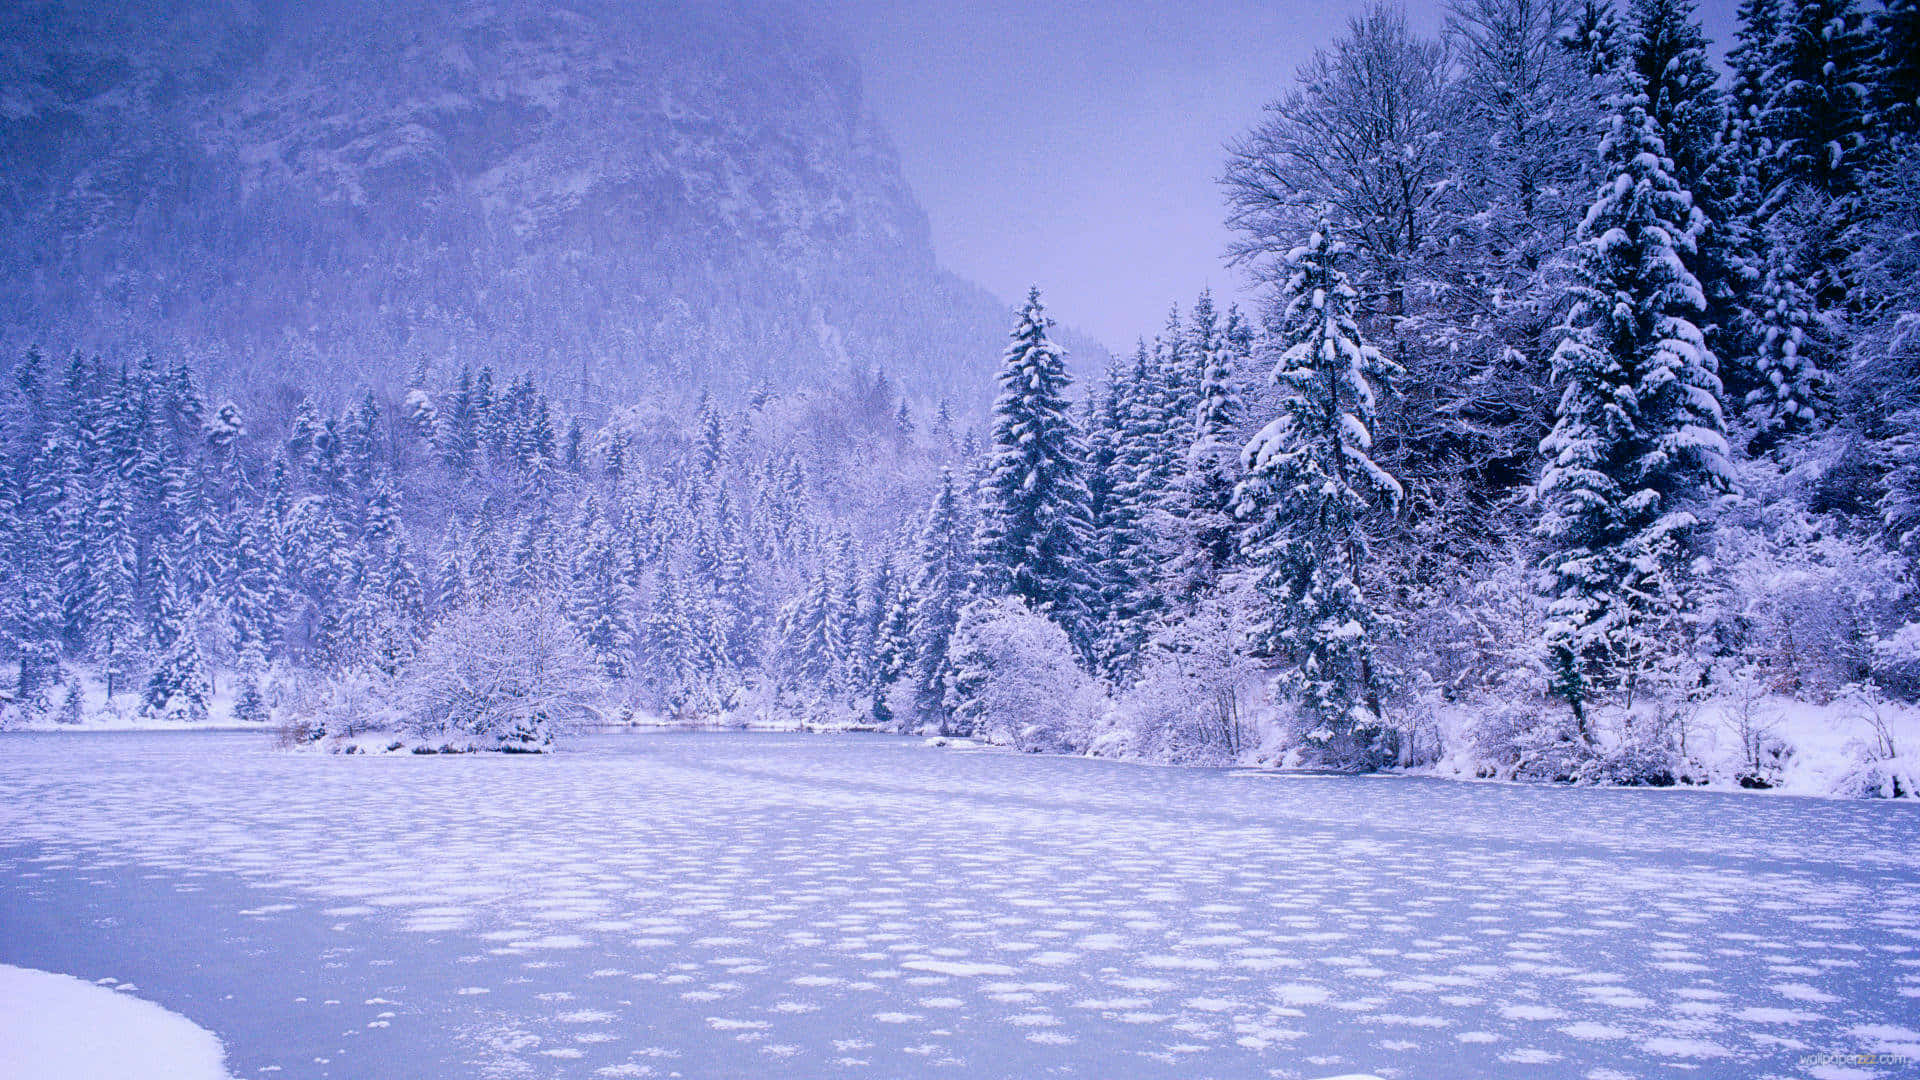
1820 127
668 643
1136 481
813 634
1751 61
1819 115
939 592
73 704
1667 55
456 434
256 590
1743 177
1181 366
249 702
721 568
712 447
535 555
112 589
602 601
1666 52
893 654
178 686
360 442
878 594
35 634
1791 354
1896 98
1200 500
1638 437
1035 529
1310 480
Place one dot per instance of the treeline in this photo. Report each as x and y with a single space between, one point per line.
1583 390
1589 395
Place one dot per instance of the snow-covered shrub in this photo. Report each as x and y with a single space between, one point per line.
1528 738
1193 702
1640 750
503 674
1015 680
1896 661
1754 724
1806 596
354 702
1879 769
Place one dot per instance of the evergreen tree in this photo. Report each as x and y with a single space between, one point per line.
1035 528
1667 60
456 436
1746 175
303 432
73 703
249 703
360 449
1790 355
813 634
669 638
603 597
712 448
256 590
1638 435
1818 114
1897 75
178 685
939 592
1310 479
111 590
721 566
1201 499
1666 57
1135 480
893 654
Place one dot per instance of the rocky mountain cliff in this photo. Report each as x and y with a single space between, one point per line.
627 193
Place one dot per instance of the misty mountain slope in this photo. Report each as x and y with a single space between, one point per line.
613 191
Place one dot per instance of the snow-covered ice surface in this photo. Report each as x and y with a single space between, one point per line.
56 1027
707 905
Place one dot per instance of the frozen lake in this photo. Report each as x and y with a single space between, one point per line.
721 905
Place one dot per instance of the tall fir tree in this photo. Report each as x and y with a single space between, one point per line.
1638 437
1035 529
939 592
1896 98
1310 481
179 685
1791 355
1200 500
1818 114
602 601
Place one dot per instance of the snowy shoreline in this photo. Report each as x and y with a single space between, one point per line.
58 1027
1803 783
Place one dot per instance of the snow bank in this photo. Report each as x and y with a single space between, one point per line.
92 709
1853 746
57 1027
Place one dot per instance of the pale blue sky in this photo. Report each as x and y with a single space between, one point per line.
1076 143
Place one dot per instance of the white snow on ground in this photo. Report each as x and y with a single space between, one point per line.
1832 749
797 903
57 1027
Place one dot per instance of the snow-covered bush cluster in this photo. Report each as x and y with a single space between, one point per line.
1600 465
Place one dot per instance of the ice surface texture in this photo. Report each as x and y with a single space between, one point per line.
714 904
